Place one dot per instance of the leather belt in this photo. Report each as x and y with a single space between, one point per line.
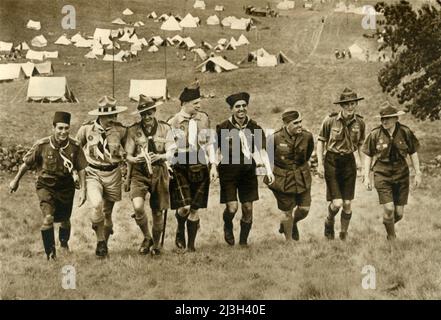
104 168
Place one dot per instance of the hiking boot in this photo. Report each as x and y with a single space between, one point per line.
155 252
101 249
228 228
329 230
145 246
295 232
244 232
180 232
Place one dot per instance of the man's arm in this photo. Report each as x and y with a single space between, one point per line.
13 185
416 165
83 190
320 149
367 172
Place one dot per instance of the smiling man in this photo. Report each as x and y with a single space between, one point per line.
387 148
191 173
293 147
242 146
102 140
149 145
56 158
341 135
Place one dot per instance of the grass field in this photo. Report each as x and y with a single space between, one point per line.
270 269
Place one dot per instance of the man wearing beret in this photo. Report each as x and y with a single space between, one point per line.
242 145
293 147
57 159
341 135
149 145
191 174
102 140
387 147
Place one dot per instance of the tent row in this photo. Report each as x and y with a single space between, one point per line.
15 71
264 59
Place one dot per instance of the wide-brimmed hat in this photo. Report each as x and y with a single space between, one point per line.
387 110
106 106
232 99
291 115
146 103
348 95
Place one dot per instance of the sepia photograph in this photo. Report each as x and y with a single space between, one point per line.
240 151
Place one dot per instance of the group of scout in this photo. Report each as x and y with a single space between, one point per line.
175 161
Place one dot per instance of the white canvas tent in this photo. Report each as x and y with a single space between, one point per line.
199 4
219 8
29 69
5 46
153 48
357 52
267 61
171 25
152 15
242 40
139 24
39 41
163 17
206 45
51 54
226 22
102 35
119 57
213 20
156 40
35 55
285 5
119 21
63 40
155 89
90 55
10 72
187 43
240 24
200 53
84 43
283 58
44 68
49 89
189 21
127 12
22 46
76 37
216 64
35 25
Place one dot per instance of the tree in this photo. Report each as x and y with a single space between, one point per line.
413 36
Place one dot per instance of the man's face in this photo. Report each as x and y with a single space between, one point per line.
349 108
240 109
107 120
192 107
61 131
389 122
148 116
294 126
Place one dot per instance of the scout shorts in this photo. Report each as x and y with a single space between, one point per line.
392 182
189 186
340 176
155 184
238 179
288 201
105 183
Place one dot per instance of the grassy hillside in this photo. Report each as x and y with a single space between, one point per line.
269 269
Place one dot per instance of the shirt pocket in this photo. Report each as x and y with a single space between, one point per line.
160 144
402 147
50 162
337 134
355 135
114 145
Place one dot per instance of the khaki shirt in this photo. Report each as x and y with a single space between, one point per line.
48 161
163 138
291 151
342 136
179 123
88 136
379 143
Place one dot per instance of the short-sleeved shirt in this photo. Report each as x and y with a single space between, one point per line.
45 157
342 135
180 126
227 133
89 137
387 148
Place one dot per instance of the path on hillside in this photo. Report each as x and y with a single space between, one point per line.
317 36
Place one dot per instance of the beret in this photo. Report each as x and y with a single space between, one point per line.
232 99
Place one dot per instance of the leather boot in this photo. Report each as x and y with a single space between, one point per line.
48 237
192 230
228 227
180 231
244 232
64 236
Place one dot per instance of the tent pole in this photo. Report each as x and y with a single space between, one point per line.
113 68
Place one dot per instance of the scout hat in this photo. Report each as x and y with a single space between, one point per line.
348 95
291 115
190 93
107 105
145 103
61 116
232 99
387 110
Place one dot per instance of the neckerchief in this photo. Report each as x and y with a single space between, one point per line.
149 135
103 147
192 130
56 146
394 155
243 139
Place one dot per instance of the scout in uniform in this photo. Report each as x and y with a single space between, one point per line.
102 140
191 174
57 159
341 135
293 147
240 140
386 148
148 144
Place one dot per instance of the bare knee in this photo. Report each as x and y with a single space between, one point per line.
65 224
184 211
389 210
48 222
247 212
232 207
347 205
337 203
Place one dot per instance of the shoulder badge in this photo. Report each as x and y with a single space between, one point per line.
43 140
